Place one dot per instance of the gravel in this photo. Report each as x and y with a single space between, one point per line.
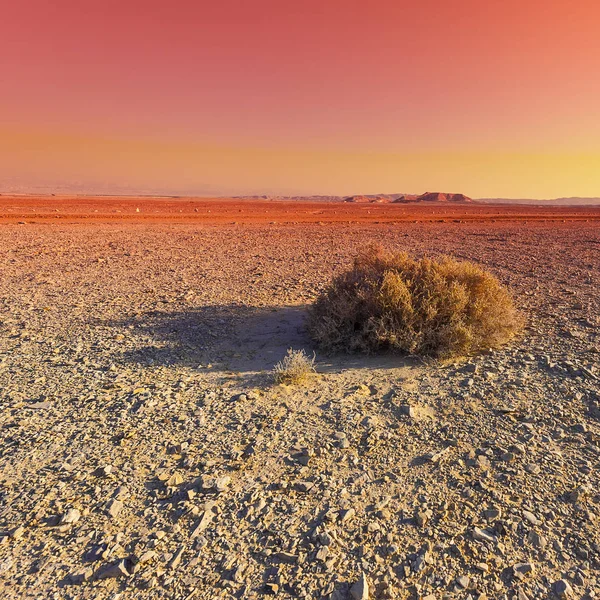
147 452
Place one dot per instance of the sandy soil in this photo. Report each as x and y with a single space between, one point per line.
146 452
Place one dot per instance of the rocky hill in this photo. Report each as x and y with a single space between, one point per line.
442 197
426 197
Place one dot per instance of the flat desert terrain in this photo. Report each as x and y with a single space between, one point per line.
147 453
35 209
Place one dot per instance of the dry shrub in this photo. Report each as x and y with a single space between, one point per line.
390 301
295 367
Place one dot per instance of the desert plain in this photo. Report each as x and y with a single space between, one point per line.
147 452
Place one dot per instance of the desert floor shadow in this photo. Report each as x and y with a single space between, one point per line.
237 339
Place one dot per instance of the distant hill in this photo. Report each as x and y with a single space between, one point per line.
436 197
382 198
574 201
406 198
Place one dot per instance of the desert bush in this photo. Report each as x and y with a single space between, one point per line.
389 301
295 367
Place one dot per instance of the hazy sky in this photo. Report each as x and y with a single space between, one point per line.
488 98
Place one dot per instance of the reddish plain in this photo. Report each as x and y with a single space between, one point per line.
33 209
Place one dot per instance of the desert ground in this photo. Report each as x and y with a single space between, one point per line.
147 453
82 209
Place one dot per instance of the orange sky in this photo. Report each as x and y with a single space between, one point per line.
495 98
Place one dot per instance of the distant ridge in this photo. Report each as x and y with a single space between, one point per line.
406 198
573 201
436 197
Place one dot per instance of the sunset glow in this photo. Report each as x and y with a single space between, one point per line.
484 98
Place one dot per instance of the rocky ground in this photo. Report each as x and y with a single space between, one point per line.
147 452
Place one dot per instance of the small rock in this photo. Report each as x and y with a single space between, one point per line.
408 410
522 569
40 405
483 461
114 508
147 556
121 493
286 557
360 590
529 516
174 563
435 457
304 486
81 577
221 483
463 581
322 553
71 517
422 517
578 494
483 535
562 588
347 515
537 540
121 568
175 480
202 524
491 514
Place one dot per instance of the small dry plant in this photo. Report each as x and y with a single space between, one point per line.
295 367
389 301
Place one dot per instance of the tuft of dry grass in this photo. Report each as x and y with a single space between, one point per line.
294 368
389 301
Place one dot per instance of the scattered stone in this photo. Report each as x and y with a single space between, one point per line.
346 515
408 410
271 588
529 516
146 557
175 480
222 483
537 540
286 557
114 508
435 457
104 470
202 524
121 568
176 560
484 535
360 589
45 405
483 461
304 486
422 517
71 517
562 588
522 569
491 514
532 468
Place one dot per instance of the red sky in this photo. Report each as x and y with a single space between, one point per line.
487 98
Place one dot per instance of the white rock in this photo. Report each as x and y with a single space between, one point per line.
71 516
